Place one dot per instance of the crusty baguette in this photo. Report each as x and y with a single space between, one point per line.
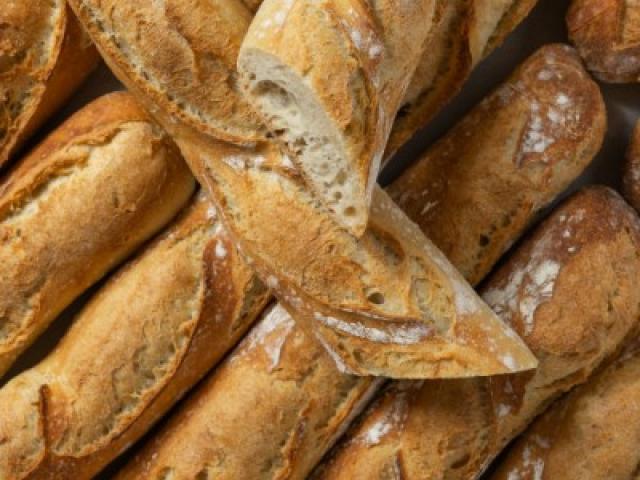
464 33
548 115
269 412
591 434
44 57
328 77
570 318
145 338
387 304
76 206
631 176
607 35
261 380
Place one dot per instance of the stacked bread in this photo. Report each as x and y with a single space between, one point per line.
377 357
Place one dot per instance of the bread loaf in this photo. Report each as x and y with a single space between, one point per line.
214 432
547 118
607 35
76 206
591 434
328 77
631 176
391 320
144 339
44 57
571 319
464 33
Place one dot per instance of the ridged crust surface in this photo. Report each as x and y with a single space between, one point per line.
607 35
44 56
595 429
76 206
281 351
141 342
464 33
513 153
357 80
359 292
571 320
195 70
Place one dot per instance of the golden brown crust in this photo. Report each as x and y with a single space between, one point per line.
594 429
233 392
520 149
452 50
571 320
146 337
44 57
355 82
78 205
315 270
279 372
631 176
194 74
607 35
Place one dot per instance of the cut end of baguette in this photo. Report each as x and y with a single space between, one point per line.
297 120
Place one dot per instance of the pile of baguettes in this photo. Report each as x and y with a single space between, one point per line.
379 361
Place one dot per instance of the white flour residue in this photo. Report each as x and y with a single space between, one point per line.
221 251
397 334
337 359
270 334
529 286
536 139
391 419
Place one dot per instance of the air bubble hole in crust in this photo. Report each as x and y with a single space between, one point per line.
376 298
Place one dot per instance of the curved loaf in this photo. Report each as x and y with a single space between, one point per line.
76 206
333 107
44 57
572 321
140 343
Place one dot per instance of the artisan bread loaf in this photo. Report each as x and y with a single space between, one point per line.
513 153
44 57
76 206
280 373
144 339
270 411
333 106
386 304
607 35
571 319
631 176
591 434
464 33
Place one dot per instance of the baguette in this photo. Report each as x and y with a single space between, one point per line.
260 381
44 57
572 320
631 176
76 206
333 110
464 33
595 429
386 304
505 153
145 338
607 35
